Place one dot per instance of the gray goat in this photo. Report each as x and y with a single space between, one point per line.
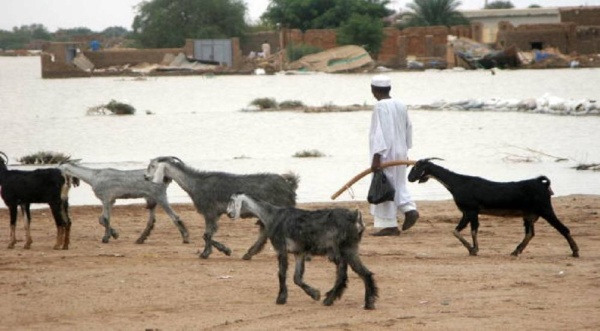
111 184
22 188
334 232
474 195
211 191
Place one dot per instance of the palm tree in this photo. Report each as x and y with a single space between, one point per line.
434 12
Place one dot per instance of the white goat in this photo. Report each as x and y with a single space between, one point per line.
111 184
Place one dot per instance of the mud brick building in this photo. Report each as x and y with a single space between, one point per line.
578 32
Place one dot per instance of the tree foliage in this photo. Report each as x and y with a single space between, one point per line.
499 5
321 14
115 31
167 23
434 12
20 36
362 30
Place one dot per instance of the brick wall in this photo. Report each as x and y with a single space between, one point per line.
580 15
397 44
103 59
562 36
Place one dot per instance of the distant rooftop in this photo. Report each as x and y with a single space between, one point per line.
489 13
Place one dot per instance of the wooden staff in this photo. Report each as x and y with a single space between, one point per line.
368 171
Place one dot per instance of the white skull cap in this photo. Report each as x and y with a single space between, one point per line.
381 81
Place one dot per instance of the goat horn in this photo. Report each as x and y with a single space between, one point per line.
368 171
5 157
432 158
177 159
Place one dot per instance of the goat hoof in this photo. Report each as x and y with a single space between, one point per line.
316 295
114 234
329 300
575 254
139 241
227 252
281 301
105 240
370 304
247 257
186 241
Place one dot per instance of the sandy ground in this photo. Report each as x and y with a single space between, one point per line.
426 279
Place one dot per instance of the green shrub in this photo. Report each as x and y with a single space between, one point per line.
44 158
309 153
297 51
290 104
112 108
120 108
264 103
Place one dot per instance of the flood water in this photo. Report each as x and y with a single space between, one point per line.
199 120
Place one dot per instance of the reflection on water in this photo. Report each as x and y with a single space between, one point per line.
198 119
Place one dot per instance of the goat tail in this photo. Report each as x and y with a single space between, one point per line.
4 158
546 182
292 179
360 224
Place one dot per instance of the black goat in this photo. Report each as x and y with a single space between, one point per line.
22 188
335 233
210 192
474 195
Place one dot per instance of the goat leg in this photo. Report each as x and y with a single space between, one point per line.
176 220
461 225
371 291
67 236
298 278
13 226
340 285
475 248
13 237
221 247
149 226
465 242
60 235
258 246
558 225
282 274
67 222
185 235
211 228
28 239
209 243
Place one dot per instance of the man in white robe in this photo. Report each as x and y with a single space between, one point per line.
390 138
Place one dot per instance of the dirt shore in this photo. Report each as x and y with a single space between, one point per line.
426 279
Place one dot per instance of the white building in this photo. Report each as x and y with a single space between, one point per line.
489 18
